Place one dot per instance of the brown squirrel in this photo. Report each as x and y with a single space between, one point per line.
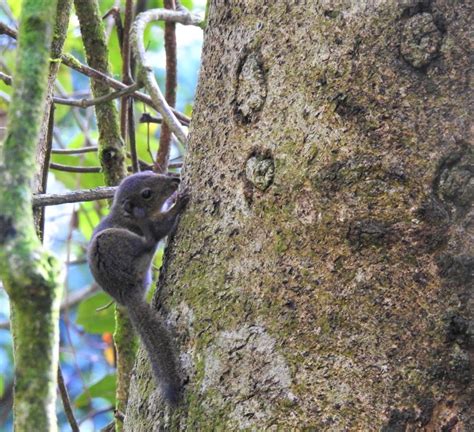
120 255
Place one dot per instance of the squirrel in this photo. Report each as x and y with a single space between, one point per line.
120 256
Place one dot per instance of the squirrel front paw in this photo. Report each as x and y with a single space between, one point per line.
183 198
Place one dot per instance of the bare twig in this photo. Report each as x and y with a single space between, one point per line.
75 169
84 103
39 213
115 13
97 169
92 414
69 151
4 29
148 118
147 74
99 193
66 402
127 114
131 137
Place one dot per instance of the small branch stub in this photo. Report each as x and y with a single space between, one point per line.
260 171
421 40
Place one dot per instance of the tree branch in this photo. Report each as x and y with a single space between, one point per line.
162 155
104 192
30 275
66 402
146 73
84 103
75 64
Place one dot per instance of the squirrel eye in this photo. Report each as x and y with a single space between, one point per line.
146 193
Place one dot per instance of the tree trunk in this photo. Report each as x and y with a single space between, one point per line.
30 275
320 277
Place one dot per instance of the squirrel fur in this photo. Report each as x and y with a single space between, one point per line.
120 255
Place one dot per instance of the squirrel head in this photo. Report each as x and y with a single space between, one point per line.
144 193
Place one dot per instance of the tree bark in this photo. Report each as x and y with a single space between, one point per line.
112 159
30 275
320 278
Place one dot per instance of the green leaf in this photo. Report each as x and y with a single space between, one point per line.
93 321
105 389
2 385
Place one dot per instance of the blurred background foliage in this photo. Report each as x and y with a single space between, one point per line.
86 346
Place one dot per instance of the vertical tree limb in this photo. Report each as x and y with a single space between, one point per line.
63 12
29 274
112 157
111 147
127 125
163 153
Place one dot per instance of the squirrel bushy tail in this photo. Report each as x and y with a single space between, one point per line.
156 339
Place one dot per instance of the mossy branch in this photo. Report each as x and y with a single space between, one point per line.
112 157
30 275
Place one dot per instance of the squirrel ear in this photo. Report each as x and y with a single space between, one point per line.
127 206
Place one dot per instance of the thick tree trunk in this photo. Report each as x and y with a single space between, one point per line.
320 277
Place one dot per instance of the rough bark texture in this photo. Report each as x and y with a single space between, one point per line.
29 274
320 277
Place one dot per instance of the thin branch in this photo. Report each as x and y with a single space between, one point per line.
104 192
84 103
75 169
131 137
163 154
39 213
4 29
147 73
148 118
66 401
73 63
97 169
115 13
127 118
92 414
81 150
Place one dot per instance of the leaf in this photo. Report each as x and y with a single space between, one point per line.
104 388
93 321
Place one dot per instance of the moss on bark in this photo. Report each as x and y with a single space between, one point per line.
337 298
111 146
30 275
112 158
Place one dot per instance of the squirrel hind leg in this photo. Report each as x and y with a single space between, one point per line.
171 393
